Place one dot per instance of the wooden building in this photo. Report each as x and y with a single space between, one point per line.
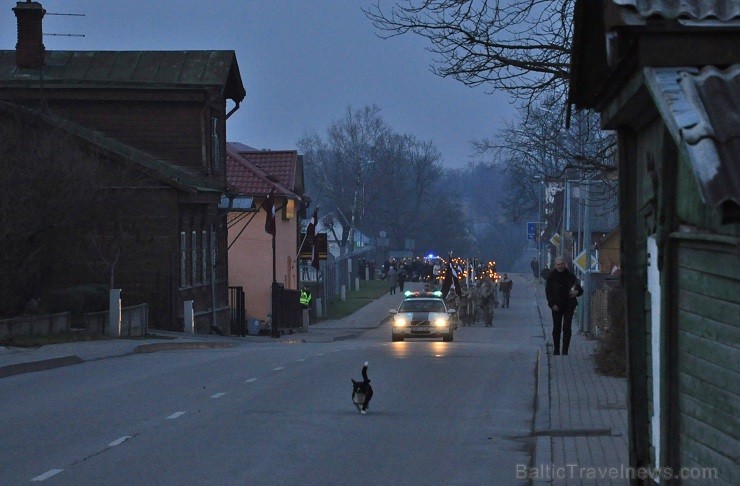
159 107
666 76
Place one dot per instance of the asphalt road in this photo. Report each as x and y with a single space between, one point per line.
276 413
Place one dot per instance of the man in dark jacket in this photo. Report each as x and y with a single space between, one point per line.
561 289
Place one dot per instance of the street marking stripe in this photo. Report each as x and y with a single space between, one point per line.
278 368
251 380
176 415
47 475
301 359
218 395
119 441
320 354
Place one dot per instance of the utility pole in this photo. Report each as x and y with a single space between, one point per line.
586 321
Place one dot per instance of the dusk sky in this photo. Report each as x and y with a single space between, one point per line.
303 62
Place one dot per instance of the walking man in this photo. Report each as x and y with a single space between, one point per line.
561 289
535 266
505 286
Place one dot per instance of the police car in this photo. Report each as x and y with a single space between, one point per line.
423 314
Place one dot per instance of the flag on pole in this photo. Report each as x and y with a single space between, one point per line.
269 206
311 235
450 280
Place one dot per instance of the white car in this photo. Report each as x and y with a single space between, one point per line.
421 315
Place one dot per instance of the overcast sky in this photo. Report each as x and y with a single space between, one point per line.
303 62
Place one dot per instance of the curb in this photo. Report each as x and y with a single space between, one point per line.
154 347
41 365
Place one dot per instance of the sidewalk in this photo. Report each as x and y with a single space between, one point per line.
14 361
582 427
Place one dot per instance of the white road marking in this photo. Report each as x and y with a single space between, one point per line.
278 368
47 475
176 415
320 354
251 380
218 395
301 359
119 441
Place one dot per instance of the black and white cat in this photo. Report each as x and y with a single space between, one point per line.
362 392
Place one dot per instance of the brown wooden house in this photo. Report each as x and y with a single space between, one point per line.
666 76
160 108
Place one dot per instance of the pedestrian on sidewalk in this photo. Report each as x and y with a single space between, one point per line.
535 266
505 287
392 279
561 289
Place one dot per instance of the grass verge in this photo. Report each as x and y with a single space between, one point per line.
369 291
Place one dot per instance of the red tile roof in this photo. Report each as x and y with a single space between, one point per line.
276 170
281 164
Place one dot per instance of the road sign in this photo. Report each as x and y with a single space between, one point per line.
580 261
531 230
556 239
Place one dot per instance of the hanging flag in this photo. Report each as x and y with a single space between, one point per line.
311 236
450 280
269 206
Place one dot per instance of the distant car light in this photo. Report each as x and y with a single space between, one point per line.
440 321
399 321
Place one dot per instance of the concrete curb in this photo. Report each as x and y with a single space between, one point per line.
154 347
40 365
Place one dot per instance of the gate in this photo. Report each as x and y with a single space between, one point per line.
238 311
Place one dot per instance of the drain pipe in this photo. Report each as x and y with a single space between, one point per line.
231 112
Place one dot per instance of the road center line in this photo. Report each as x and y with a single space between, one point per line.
251 380
278 368
218 395
47 475
176 415
119 441
301 359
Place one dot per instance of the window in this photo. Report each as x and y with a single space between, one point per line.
183 258
216 143
194 258
204 255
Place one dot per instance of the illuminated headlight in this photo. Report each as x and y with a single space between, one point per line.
399 321
440 321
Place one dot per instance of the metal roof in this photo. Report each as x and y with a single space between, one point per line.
701 109
697 10
134 69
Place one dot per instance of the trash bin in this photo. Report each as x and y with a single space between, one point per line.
254 327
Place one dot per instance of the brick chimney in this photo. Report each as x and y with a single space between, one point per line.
29 51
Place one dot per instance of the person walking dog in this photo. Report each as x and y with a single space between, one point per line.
561 289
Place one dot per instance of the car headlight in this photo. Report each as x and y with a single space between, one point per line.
440 321
399 321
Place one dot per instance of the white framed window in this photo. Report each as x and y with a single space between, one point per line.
204 255
194 258
183 259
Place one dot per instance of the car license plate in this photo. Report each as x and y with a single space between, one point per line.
420 329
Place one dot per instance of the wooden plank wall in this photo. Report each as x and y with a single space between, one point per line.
709 345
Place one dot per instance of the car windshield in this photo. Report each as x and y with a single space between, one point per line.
422 306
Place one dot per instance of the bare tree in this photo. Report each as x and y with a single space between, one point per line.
340 165
538 148
522 47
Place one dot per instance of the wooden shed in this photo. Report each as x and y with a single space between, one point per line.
666 76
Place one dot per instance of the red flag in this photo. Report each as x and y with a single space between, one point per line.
269 206
311 235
